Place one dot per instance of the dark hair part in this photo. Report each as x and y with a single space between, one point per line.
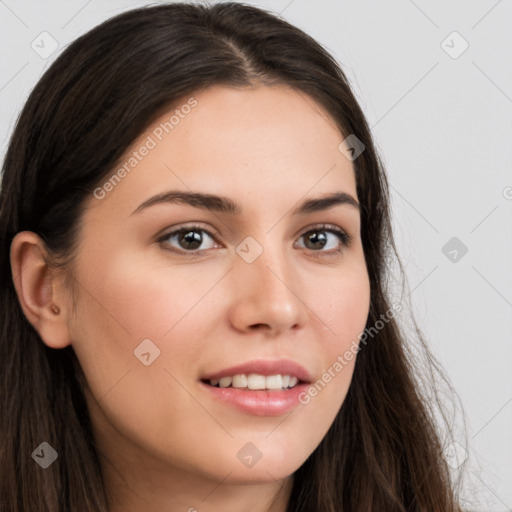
383 451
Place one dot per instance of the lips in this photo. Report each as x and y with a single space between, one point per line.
258 401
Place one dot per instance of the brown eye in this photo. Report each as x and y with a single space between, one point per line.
315 239
325 240
188 239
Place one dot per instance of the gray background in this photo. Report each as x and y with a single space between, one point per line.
443 124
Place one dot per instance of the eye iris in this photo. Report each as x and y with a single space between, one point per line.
317 238
191 239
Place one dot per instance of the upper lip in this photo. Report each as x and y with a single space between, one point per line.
264 367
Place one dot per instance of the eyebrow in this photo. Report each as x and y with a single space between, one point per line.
225 205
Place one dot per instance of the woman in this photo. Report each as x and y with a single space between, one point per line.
195 226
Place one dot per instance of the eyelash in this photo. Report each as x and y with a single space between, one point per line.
343 237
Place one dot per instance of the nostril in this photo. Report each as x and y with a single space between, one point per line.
258 326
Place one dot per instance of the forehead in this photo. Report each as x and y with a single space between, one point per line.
267 143
270 122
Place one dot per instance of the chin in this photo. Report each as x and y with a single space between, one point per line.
259 474
242 470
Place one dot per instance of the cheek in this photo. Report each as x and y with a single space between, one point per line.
125 300
343 307
143 299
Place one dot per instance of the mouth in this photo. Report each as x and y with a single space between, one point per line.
260 388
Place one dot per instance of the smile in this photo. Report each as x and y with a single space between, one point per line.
256 381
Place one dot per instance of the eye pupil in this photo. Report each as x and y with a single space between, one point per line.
192 239
317 238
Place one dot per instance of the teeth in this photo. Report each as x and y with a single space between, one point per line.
274 382
225 382
255 381
240 381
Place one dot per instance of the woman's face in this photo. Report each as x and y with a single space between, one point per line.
257 280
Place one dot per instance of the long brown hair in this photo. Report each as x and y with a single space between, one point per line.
383 452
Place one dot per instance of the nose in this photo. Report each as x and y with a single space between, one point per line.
267 296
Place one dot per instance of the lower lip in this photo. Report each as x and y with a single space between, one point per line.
260 402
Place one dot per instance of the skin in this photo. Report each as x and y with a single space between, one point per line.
167 445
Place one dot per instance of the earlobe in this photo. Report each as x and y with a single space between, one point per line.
38 290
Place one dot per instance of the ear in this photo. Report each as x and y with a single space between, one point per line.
40 293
